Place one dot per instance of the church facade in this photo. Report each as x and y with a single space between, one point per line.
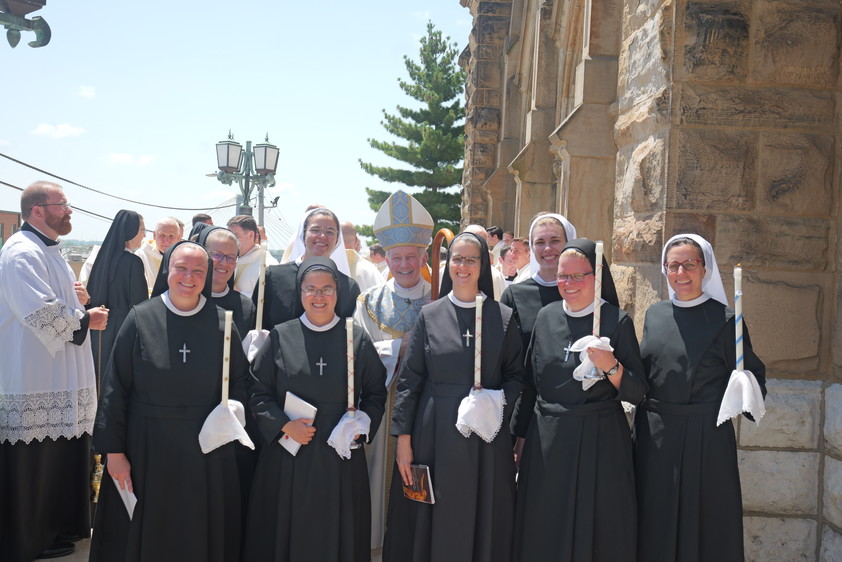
640 119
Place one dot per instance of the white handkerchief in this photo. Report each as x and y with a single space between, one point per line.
226 423
481 412
742 395
253 341
343 434
129 499
585 371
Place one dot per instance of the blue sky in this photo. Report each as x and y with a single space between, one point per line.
131 100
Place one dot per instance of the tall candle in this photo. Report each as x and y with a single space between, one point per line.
261 287
226 355
478 344
349 352
738 314
597 289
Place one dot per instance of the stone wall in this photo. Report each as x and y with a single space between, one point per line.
639 119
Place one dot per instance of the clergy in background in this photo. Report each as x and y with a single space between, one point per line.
117 281
688 483
314 505
151 252
363 271
47 385
575 496
548 234
318 235
248 264
404 229
164 378
473 481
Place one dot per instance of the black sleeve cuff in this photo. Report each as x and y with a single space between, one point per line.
80 334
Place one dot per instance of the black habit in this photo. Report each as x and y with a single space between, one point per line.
315 505
576 497
526 299
242 307
282 301
162 382
688 485
473 481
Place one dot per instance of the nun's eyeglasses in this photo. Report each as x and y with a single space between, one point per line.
230 260
326 292
689 265
577 277
470 261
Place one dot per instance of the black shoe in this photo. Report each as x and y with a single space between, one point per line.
57 550
68 537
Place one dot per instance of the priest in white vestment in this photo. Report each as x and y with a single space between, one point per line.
151 252
246 230
48 393
388 312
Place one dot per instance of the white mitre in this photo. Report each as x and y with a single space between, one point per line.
403 221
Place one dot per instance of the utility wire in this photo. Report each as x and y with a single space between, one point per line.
31 167
75 208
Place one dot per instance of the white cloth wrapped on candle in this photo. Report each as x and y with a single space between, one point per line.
226 423
583 371
743 394
346 431
253 341
481 412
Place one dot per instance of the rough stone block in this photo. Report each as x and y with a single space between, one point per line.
486 74
793 414
647 118
786 243
637 239
494 8
779 481
490 29
716 40
833 491
636 13
775 108
831 546
483 154
796 174
640 185
643 67
484 118
768 538
796 42
833 419
716 170
702 224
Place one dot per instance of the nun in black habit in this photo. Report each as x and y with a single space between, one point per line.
116 281
315 505
473 480
688 484
575 497
163 380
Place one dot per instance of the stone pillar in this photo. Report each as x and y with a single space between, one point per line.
729 126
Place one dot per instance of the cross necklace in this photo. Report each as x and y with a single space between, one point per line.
184 351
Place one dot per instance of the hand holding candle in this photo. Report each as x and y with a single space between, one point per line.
226 355
478 344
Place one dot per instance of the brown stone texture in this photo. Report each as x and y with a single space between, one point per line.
641 188
716 170
777 108
782 243
716 40
796 42
796 174
638 239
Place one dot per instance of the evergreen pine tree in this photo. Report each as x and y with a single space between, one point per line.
434 132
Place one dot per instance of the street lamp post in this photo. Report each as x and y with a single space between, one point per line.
256 167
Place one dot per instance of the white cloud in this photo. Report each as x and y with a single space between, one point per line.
58 131
88 92
123 159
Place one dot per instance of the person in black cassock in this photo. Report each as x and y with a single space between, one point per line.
223 247
318 235
314 505
117 281
688 485
547 236
575 498
163 380
473 481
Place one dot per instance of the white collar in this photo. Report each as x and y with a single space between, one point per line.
412 293
165 296
540 280
222 294
311 326
578 313
691 303
463 304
